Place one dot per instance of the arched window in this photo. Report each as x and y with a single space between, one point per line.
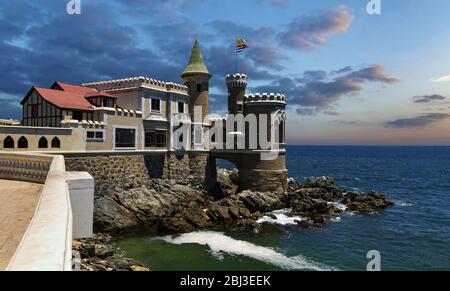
56 143
8 143
22 143
281 132
43 143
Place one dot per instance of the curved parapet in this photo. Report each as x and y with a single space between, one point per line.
264 98
236 80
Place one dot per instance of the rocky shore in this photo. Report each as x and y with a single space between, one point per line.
168 207
99 254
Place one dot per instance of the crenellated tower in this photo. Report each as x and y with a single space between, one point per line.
236 84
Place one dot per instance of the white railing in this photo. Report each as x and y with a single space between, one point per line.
47 242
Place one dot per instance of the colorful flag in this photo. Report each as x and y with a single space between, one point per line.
241 44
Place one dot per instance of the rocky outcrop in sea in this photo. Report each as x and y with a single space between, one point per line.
169 207
99 254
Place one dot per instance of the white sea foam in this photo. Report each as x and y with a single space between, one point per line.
338 205
336 219
282 218
219 243
402 203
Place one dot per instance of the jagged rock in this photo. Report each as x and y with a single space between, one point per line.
293 185
359 201
98 254
174 225
263 202
176 207
319 182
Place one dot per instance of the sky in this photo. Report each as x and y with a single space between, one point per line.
350 77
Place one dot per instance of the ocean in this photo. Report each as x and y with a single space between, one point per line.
412 235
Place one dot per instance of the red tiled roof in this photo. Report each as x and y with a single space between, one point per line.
75 88
65 99
99 94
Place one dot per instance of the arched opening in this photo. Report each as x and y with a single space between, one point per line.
43 143
281 136
56 143
227 178
22 143
8 143
280 127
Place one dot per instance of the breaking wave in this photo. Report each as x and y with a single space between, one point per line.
281 217
219 243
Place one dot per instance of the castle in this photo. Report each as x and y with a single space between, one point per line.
150 119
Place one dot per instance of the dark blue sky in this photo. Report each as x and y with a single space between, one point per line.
351 77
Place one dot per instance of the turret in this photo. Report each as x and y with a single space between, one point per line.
236 84
196 77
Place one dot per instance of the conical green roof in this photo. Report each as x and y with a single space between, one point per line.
196 63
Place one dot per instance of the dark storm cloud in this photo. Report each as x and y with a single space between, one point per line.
314 95
428 98
307 32
418 121
40 43
78 49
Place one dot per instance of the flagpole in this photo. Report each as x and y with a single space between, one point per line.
235 47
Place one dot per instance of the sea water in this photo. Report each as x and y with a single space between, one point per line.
412 235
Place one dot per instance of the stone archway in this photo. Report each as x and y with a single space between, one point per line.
256 174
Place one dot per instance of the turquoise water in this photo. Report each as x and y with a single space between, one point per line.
413 235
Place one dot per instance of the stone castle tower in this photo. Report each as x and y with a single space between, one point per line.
196 77
256 172
236 84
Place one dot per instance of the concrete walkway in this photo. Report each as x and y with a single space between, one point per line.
18 202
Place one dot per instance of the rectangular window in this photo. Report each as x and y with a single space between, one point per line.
180 107
95 135
125 138
199 88
156 105
77 115
155 139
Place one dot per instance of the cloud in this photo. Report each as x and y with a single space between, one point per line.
442 79
428 98
418 121
306 111
346 122
307 32
314 95
40 43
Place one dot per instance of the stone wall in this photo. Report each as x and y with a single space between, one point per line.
110 170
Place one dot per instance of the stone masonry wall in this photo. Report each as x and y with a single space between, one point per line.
138 169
